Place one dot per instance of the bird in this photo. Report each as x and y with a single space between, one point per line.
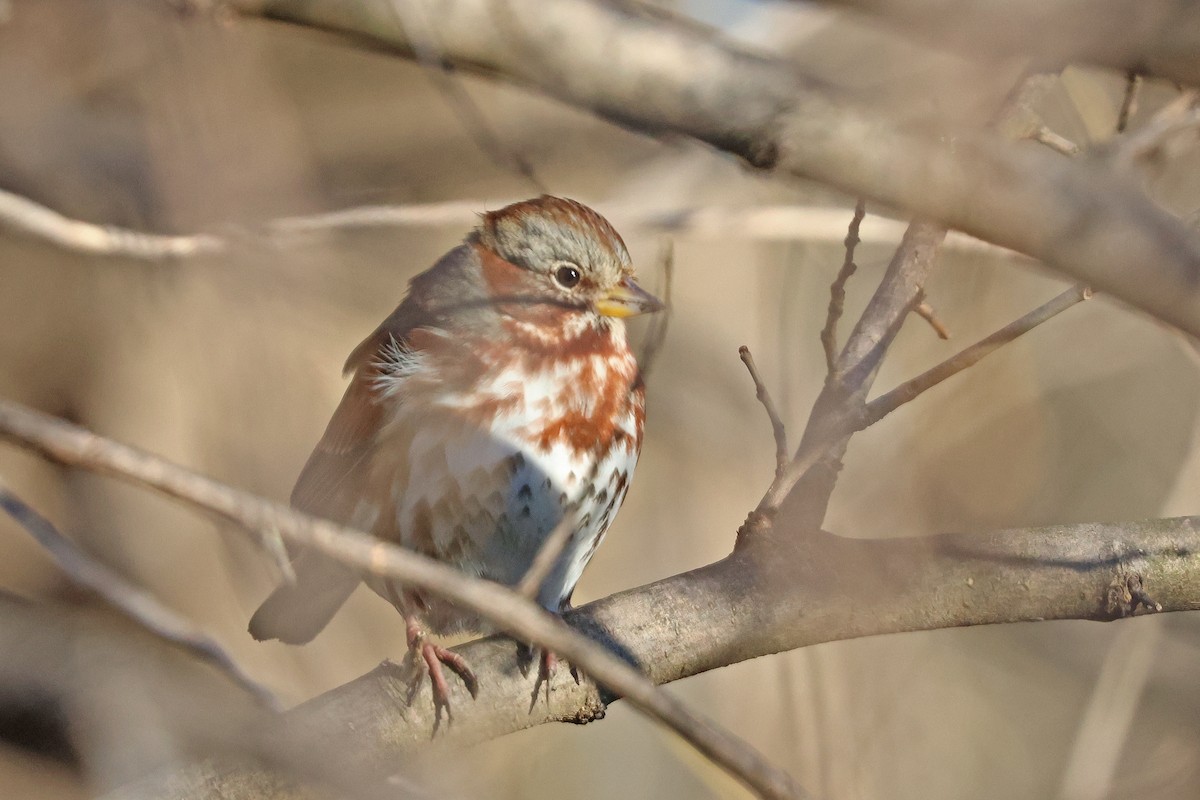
498 400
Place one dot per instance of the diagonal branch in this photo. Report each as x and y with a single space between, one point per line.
657 74
501 606
133 603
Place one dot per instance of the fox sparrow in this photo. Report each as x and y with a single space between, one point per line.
497 399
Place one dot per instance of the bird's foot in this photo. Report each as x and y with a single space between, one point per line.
547 668
433 656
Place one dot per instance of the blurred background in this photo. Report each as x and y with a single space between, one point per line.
133 114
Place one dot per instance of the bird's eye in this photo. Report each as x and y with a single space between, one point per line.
567 276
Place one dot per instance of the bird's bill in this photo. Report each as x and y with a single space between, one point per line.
627 299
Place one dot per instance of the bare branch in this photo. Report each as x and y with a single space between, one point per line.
135 604
885 404
1133 83
22 214
499 605
691 82
1056 142
926 312
826 588
837 292
1158 37
413 19
764 397
826 435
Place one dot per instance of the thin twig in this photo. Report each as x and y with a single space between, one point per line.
547 555
133 603
656 336
837 291
826 438
1179 115
777 223
1054 141
926 312
764 397
21 213
75 446
425 47
886 403
1133 84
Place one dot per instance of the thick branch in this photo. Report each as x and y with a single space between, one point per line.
760 601
1159 37
654 74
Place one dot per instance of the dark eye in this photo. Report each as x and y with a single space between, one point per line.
567 276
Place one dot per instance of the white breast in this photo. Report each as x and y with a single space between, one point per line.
487 498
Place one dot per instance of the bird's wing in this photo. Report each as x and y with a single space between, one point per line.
331 486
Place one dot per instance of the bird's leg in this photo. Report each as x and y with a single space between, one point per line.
547 668
433 656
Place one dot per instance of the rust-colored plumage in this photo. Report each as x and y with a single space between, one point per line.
497 399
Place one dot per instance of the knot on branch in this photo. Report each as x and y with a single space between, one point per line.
757 523
1127 593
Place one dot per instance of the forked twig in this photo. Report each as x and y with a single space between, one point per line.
133 603
886 403
837 290
764 397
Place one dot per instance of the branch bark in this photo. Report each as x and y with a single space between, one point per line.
791 591
657 75
1158 37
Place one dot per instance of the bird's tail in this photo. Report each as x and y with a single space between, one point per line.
296 612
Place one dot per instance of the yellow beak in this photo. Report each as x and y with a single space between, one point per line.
627 299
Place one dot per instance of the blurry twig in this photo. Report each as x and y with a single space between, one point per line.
552 547
70 444
1105 724
926 312
1133 84
657 333
809 223
837 291
764 397
410 17
130 601
1054 141
21 213
1181 114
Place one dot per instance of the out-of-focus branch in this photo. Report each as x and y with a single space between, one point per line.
23 215
129 600
497 604
1156 37
655 74
770 222
132 704
793 591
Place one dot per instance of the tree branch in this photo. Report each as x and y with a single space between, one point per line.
792 591
501 606
133 603
654 74
1157 37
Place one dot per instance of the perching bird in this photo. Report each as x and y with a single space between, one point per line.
498 397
